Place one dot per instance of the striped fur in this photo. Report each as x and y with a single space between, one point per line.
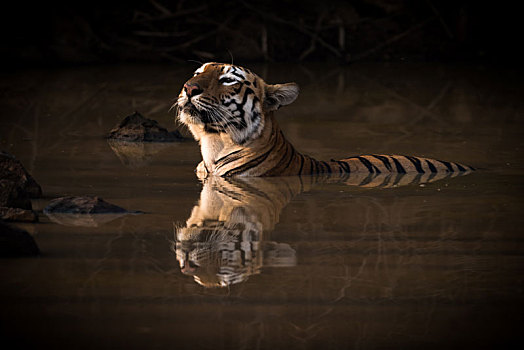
225 239
229 110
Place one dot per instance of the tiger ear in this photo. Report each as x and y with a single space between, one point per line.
279 95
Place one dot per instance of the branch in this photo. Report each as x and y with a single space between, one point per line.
367 53
172 15
296 26
312 47
198 38
441 19
161 8
160 34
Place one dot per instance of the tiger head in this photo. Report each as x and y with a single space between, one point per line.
217 255
225 99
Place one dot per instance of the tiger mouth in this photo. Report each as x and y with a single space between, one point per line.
194 112
191 109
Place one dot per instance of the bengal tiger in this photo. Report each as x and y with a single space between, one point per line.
230 111
224 241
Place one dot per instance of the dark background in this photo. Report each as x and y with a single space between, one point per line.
85 32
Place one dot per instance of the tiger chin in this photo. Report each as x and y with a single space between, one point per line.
230 112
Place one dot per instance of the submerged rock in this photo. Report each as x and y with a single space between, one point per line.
137 128
17 214
82 205
15 242
83 211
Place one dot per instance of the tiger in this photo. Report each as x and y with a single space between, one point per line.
229 110
224 241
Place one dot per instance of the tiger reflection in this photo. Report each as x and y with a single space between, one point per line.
224 240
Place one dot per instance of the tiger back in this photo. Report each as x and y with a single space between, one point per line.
230 112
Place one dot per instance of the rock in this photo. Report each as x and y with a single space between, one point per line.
17 214
16 189
137 154
13 196
137 128
83 211
82 205
15 242
84 220
12 170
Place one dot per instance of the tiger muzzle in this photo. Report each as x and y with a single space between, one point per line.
192 89
202 115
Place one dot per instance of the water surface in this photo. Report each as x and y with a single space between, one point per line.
330 265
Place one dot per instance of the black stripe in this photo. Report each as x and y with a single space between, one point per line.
237 75
247 92
386 181
301 164
366 163
314 164
367 180
251 164
416 180
340 169
231 194
460 167
291 158
345 166
254 104
433 174
327 166
416 162
384 160
399 177
369 165
400 168
283 157
248 188
225 158
310 166
285 153
431 166
447 164
320 167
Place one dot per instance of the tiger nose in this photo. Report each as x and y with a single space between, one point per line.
192 89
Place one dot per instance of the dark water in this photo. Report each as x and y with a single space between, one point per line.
436 265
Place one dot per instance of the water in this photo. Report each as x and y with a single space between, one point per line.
332 266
